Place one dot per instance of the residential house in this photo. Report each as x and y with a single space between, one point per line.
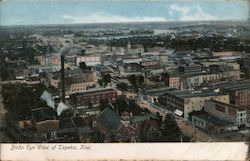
113 129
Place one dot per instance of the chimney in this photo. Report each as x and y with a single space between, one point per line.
62 79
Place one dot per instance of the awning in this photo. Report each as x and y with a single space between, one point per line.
178 112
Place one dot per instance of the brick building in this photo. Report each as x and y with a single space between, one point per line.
239 92
93 96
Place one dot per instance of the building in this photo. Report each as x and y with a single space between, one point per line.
210 123
190 68
239 91
93 96
194 80
126 70
222 53
52 59
189 101
229 112
90 60
129 60
45 120
75 80
174 82
110 125
149 62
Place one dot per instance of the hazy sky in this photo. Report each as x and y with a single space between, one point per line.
26 12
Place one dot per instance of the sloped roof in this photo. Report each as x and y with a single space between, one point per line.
79 121
66 123
109 119
42 114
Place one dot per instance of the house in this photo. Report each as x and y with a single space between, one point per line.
113 129
148 126
44 119
71 129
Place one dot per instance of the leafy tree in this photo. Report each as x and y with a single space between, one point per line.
171 131
121 104
106 78
140 80
136 81
132 79
19 99
103 104
122 86
100 82
166 76
83 66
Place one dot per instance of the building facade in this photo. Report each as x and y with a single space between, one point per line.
93 97
229 112
187 102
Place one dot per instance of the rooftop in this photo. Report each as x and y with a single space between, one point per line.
230 105
210 119
42 114
95 90
110 119
235 85
190 94
159 91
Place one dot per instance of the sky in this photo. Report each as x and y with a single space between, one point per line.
36 12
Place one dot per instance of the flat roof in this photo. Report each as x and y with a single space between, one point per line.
159 91
211 119
230 105
190 94
235 85
93 91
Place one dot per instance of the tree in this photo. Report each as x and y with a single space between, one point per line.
166 76
122 86
83 66
132 105
20 99
106 79
171 131
100 82
132 79
103 104
140 80
121 104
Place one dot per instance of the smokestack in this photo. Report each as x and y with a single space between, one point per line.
62 78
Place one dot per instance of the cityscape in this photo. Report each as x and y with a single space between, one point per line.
125 82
